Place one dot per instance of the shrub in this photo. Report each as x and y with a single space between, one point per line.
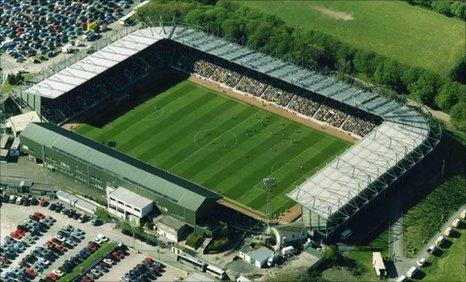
103 215
194 240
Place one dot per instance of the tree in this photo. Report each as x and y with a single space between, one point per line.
411 75
388 73
458 115
363 62
458 9
458 72
232 29
261 36
442 6
448 96
425 88
103 215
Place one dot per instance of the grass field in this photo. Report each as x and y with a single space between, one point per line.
452 265
219 143
412 35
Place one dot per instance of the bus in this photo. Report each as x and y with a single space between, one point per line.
195 262
216 271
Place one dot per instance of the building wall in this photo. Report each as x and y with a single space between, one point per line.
100 178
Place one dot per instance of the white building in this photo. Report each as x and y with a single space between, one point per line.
258 257
378 264
128 205
286 235
19 122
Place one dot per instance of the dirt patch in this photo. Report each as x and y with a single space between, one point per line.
290 215
337 15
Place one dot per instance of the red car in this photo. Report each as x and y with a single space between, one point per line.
3 261
39 215
51 277
43 203
17 234
86 278
30 273
91 248
149 260
117 255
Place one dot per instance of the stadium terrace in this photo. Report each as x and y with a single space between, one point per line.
393 137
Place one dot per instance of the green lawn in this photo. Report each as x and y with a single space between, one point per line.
423 220
452 265
220 143
412 35
78 270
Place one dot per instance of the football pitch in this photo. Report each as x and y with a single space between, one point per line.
219 143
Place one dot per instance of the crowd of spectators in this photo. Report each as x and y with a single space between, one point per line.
277 95
29 27
251 86
358 125
303 105
280 93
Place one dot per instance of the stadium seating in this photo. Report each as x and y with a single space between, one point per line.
166 55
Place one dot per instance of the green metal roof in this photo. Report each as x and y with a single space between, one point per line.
185 193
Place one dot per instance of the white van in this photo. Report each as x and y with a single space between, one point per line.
411 272
346 234
19 200
440 240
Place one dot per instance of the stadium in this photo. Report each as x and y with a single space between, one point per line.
209 118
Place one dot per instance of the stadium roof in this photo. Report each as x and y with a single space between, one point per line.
94 64
362 168
131 198
161 182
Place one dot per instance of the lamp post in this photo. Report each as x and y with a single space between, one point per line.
269 183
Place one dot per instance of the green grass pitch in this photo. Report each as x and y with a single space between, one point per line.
412 35
220 143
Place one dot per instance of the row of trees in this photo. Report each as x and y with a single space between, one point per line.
450 8
311 48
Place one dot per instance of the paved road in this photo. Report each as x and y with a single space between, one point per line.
403 264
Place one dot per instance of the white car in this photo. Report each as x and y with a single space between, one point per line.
431 249
59 238
108 261
402 278
102 237
97 240
44 261
420 262
57 272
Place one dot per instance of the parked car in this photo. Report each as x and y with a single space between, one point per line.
43 202
421 262
431 249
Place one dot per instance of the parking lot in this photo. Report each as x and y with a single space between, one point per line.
28 28
13 215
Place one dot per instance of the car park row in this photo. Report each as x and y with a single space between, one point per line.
25 235
148 270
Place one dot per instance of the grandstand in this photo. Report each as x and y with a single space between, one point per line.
393 137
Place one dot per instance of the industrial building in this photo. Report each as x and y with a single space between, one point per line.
258 257
102 167
172 228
